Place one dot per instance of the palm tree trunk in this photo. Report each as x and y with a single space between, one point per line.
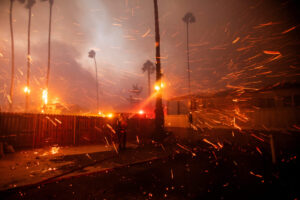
28 60
12 56
97 84
49 48
188 56
159 114
149 84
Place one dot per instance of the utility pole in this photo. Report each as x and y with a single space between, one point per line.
159 113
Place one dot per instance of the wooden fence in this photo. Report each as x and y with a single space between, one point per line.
24 130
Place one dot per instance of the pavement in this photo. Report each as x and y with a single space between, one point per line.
217 166
29 167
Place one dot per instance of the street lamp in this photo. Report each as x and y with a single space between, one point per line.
158 87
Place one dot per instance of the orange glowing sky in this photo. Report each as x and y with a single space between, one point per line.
248 43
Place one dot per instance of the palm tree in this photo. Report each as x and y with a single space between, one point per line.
188 18
12 53
148 67
29 6
92 54
159 114
49 42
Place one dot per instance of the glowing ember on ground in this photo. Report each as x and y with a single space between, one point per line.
54 150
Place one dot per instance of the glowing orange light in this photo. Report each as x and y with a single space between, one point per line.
141 112
45 96
110 115
102 114
157 88
54 150
27 90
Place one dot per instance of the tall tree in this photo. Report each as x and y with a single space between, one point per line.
11 93
159 114
188 18
49 42
92 54
149 68
29 6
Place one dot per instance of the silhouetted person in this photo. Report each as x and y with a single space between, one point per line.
121 131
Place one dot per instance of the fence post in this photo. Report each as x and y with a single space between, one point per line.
74 131
34 131
273 149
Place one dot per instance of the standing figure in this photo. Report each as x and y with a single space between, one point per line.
121 131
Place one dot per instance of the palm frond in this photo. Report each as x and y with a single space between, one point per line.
92 54
189 18
148 65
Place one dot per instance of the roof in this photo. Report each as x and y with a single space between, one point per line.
232 91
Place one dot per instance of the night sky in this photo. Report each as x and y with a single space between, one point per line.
233 43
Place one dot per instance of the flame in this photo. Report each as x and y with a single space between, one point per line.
54 150
141 112
110 115
45 96
27 90
156 88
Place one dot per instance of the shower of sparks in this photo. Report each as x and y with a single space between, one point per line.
115 148
111 128
258 138
212 144
258 150
52 122
257 175
186 148
106 141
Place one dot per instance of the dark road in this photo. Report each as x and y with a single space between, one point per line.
234 172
